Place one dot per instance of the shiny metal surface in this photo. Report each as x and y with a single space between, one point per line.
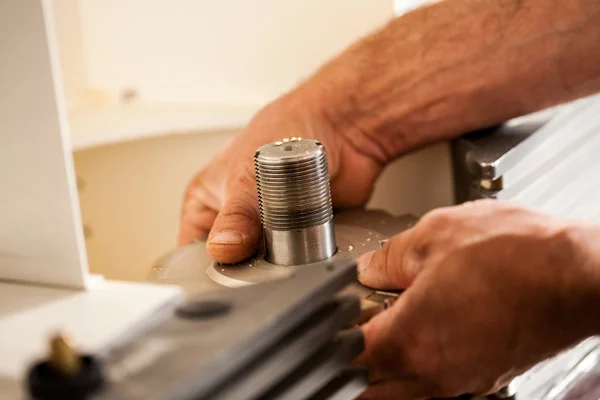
480 158
353 242
303 246
532 158
490 156
358 231
295 201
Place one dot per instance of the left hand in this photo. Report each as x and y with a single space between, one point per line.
493 288
221 202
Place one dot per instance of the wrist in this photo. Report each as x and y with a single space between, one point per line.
328 96
314 110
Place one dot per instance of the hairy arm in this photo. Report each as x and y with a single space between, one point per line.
459 65
429 75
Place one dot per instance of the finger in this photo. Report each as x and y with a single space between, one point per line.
236 231
383 353
389 267
352 187
198 212
195 225
386 361
205 195
398 389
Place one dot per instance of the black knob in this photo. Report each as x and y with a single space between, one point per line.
46 383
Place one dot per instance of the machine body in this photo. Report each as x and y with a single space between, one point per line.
276 326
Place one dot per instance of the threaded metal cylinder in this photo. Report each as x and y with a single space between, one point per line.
295 201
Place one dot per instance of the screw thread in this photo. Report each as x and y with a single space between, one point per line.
294 192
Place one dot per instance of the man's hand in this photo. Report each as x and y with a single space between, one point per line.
492 289
221 201
430 75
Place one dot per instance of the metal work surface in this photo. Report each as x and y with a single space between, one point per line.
357 232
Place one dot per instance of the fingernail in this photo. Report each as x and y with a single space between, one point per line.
228 237
363 262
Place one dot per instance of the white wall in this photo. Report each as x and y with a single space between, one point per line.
230 51
404 6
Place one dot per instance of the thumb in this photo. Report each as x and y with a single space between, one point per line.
389 267
236 231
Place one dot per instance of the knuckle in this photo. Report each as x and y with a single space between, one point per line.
243 179
190 206
202 195
484 203
437 219
415 259
421 250
394 261
472 203
240 209
193 184
390 260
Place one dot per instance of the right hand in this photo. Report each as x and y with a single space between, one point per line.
492 288
220 203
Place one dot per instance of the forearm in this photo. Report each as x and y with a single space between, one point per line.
459 65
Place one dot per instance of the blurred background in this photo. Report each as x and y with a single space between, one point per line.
155 87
